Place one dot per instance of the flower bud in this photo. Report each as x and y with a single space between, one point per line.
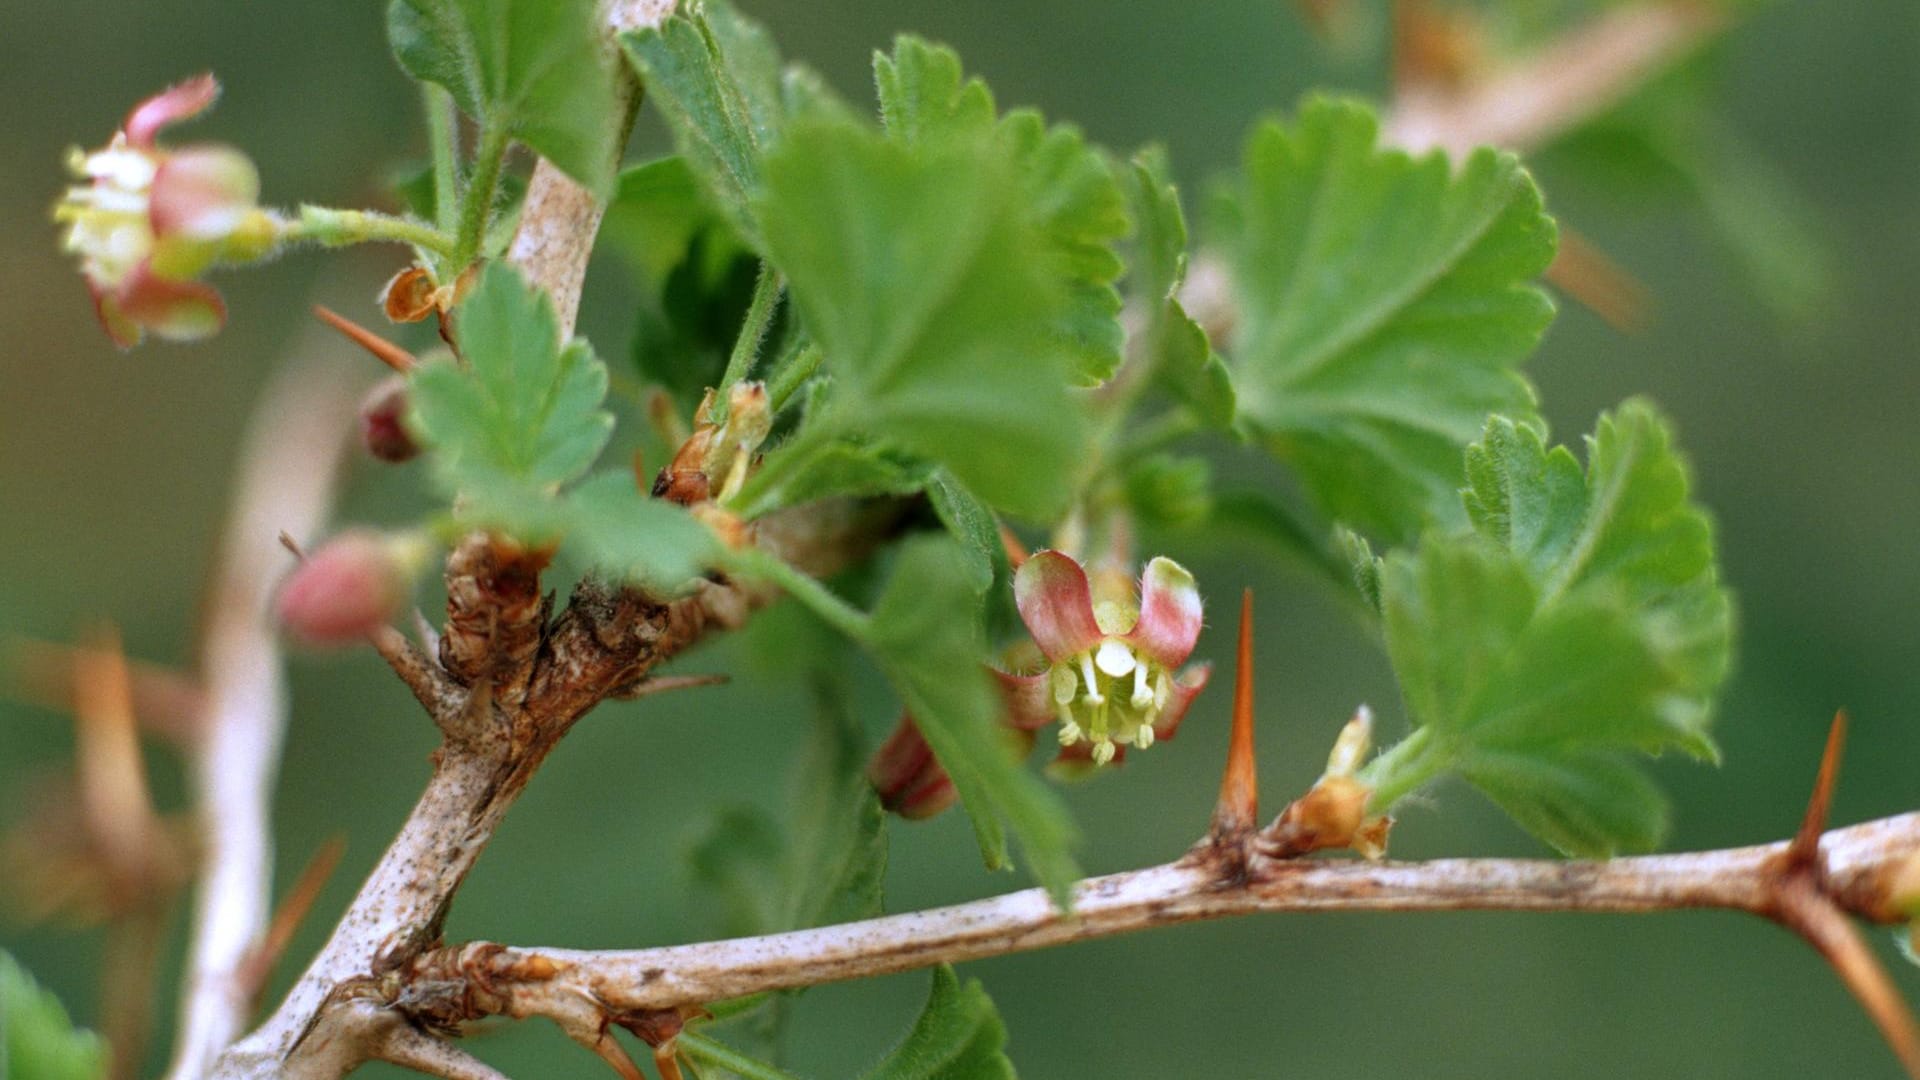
904 773
354 584
383 421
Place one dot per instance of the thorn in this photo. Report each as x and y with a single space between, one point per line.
614 1054
666 1059
383 350
1602 286
168 703
1802 907
662 684
1805 848
1016 551
113 782
287 541
254 970
638 462
1239 805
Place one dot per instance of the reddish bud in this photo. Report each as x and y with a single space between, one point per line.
353 585
904 773
383 421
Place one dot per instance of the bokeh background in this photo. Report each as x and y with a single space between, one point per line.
1805 434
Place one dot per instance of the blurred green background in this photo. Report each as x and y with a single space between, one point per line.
114 468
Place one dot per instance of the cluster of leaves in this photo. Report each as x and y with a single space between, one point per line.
954 280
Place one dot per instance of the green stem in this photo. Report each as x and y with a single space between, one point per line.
476 202
766 300
817 598
792 375
707 1052
1404 768
1163 430
443 139
331 227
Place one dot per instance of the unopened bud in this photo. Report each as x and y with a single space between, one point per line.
383 422
906 776
351 586
1350 749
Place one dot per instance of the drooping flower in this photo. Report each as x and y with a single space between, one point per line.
147 221
905 775
1111 656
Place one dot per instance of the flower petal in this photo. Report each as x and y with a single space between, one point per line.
124 331
1185 689
1170 613
1028 699
181 101
174 310
202 193
1056 603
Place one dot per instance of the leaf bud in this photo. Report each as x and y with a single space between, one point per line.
351 586
383 421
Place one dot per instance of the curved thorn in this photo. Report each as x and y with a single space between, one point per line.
1811 913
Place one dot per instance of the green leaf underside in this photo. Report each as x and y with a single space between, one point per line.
1578 625
917 274
37 1038
959 1036
935 659
1070 191
715 76
1173 344
534 67
1384 309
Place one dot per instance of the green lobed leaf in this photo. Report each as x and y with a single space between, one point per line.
958 1036
973 525
926 641
37 1038
1172 344
837 848
919 276
1385 306
735 865
1071 191
636 539
534 67
1578 624
521 417
715 76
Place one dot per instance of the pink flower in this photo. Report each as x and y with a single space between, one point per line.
149 220
905 775
1110 656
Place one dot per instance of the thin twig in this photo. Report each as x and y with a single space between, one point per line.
289 457
1860 863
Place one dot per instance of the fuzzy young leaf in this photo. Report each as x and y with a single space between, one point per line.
959 1036
920 277
1172 343
1579 624
37 1039
1385 306
533 67
1071 192
924 636
523 416
716 77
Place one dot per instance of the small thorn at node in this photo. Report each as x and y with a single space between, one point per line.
383 350
1806 843
258 964
1239 805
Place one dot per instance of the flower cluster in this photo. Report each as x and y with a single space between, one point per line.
147 221
1111 654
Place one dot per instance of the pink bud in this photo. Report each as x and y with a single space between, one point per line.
353 585
383 421
904 773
